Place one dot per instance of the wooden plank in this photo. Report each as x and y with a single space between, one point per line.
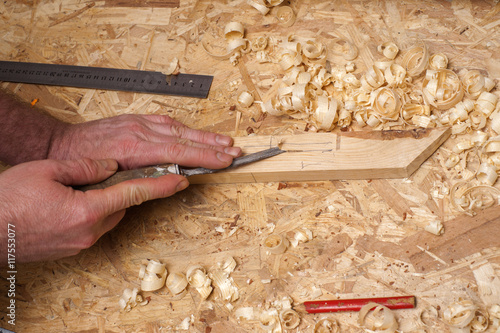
333 156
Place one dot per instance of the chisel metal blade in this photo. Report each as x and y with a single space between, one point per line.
239 161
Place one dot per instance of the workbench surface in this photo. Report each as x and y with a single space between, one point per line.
368 234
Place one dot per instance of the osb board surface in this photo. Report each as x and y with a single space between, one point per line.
368 234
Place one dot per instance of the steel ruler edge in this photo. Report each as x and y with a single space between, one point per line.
191 85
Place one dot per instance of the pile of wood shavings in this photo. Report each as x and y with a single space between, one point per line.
402 90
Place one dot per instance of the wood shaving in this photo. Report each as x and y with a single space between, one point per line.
276 244
435 227
245 99
285 16
197 277
327 325
388 49
176 283
130 299
152 275
380 319
459 315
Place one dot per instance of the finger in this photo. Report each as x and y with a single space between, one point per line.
168 126
134 192
166 139
187 154
83 171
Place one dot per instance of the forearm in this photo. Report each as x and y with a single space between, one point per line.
26 134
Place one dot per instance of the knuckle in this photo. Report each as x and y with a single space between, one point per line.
178 131
176 150
137 195
88 166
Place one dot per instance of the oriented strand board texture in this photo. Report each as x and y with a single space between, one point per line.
368 234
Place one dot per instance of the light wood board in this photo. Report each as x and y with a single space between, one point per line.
333 156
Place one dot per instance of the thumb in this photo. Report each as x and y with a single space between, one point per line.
135 192
84 171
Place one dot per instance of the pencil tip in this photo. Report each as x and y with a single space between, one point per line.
300 308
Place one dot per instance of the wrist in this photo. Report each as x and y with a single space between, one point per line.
59 143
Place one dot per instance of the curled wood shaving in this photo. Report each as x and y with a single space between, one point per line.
428 316
385 103
480 322
245 99
227 265
176 284
173 67
468 199
373 78
259 5
494 315
395 75
326 112
197 277
381 319
130 299
438 61
347 49
492 145
269 321
486 103
259 44
416 59
487 173
224 285
388 49
461 111
475 84
290 319
276 244
234 33
327 325
303 235
285 16
442 88
459 315
152 275
435 227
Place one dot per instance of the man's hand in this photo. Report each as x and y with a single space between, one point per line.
51 220
140 140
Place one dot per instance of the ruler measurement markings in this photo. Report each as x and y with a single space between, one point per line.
106 78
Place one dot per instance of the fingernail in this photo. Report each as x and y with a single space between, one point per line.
108 165
224 157
223 140
182 185
233 151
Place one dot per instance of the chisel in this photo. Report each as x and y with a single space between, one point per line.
165 169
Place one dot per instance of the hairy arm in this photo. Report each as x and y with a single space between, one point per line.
26 134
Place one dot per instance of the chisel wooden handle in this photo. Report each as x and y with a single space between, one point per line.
121 176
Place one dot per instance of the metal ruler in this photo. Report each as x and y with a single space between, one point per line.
106 78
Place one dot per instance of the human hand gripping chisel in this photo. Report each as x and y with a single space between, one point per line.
165 169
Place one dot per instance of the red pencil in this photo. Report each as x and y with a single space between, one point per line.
394 302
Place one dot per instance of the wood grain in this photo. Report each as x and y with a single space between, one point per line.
329 156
